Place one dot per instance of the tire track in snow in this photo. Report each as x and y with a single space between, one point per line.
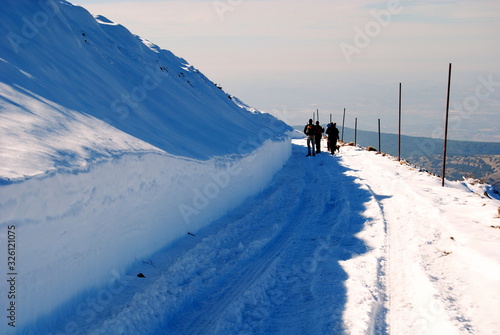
205 317
366 310
317 282
380 311
416 303
307 268
270 266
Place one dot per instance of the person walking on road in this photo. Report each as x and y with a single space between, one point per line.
310 131
333 136
319 133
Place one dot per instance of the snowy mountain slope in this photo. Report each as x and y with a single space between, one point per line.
111 148
57 61
350 244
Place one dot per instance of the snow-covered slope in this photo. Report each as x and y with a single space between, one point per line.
111 148
84 88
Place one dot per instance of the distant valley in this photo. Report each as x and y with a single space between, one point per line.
483 167
479 160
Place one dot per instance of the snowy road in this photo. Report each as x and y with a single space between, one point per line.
276 260
271 266
320 251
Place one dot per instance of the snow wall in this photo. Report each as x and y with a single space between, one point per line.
96 223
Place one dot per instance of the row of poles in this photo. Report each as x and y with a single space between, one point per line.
399 127
355 127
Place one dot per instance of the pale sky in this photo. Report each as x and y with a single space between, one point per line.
292 57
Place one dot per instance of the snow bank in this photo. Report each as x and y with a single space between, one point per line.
80 230
434 268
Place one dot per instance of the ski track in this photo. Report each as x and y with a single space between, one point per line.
271 266
283 288
408 301
425 300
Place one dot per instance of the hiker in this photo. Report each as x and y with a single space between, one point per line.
310 131
333 136
327 142
319 133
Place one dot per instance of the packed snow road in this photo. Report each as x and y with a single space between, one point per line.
348 244
272 266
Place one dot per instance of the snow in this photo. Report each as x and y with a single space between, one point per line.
112 148
101 220
441 254
65 72
355 243
119 158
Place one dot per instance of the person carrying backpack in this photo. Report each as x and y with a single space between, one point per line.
310 131
333 136
319 133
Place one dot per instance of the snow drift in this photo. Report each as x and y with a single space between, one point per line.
111 149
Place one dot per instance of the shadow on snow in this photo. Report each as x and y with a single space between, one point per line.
270 266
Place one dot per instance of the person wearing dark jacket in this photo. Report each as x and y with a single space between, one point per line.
319 133
327 142
333 136
310 131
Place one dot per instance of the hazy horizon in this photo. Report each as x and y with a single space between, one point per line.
339 126
292 58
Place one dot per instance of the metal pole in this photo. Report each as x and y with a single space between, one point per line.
379 147
343 122
317 113
330 117
399 134
446 126
355 131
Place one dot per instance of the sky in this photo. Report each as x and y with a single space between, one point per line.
293 58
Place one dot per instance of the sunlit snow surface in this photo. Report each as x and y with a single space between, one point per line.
114 153
75 89
349 244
